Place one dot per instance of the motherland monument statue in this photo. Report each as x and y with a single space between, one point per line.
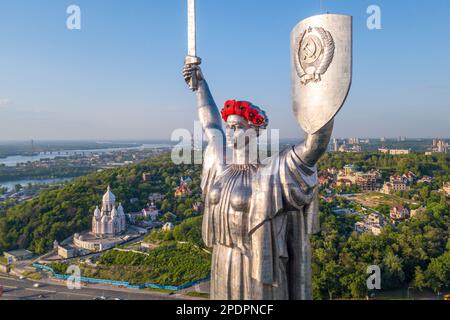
259 215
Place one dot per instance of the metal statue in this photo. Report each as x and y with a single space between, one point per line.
258 224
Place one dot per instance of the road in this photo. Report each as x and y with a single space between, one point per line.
17 289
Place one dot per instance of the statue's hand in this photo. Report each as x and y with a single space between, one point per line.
191 72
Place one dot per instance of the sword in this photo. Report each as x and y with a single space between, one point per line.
191 58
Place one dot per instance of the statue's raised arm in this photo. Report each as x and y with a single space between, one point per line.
208 112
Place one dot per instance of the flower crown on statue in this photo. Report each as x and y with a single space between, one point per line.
254 115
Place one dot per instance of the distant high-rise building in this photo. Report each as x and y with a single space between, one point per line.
335 145
435 142
440 146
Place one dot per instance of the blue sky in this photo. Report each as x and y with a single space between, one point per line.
119 77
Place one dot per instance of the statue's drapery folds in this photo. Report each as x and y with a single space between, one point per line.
257 218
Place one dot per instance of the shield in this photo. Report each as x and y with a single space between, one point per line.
321 48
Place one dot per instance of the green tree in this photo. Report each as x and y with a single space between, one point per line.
438 272
420 281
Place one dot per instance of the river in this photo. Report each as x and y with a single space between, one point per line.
14 160
11 184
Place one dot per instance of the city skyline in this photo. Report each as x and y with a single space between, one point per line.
119 77
30 141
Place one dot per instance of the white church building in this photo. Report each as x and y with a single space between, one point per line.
109 220
109 228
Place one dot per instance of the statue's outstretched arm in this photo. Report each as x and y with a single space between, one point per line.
208 112
315 145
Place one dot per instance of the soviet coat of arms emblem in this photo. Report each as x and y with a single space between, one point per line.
315 53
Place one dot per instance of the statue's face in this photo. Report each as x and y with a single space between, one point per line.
237 128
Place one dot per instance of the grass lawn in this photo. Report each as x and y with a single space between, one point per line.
157 290
170 264
374 199
33 275
196 294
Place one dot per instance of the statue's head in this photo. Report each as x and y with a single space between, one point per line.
242 120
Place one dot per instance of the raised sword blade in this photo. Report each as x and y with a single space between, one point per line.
192 37
191 58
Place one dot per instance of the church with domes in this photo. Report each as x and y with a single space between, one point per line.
108 221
